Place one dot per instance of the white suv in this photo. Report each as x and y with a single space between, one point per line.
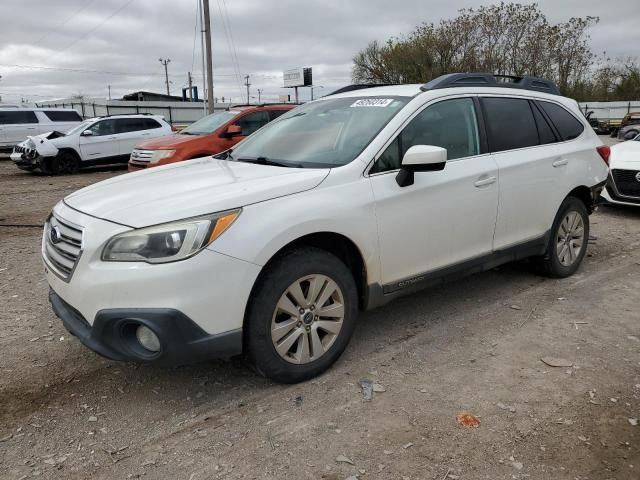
97 141
16 124
341 204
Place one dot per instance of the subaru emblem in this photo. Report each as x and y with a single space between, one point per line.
638 176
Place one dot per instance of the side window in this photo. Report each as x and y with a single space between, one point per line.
510 124
273 114
127 125
252 122
17 117
449 124
567 125
544 129
103 127
150 124
63 116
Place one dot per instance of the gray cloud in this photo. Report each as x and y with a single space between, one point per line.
123 40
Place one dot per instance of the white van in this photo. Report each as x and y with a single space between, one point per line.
16 124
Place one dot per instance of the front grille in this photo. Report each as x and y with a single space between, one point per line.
626 182
143 156
61 246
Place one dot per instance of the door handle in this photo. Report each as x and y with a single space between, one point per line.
485 181
560 162
31 128
112 138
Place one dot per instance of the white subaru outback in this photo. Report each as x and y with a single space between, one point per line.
341 204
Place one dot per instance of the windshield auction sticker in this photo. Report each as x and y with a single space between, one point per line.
372 102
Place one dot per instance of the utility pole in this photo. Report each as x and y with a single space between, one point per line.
207 38
109 86
247 84
165 62
190 87
260 90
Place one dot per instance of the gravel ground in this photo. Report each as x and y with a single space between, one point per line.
474 346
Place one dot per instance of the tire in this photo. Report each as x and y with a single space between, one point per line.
563 257
303 334
64 163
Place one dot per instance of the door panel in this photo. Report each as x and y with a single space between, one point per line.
529 164
442 219
104 142
447 216
17 125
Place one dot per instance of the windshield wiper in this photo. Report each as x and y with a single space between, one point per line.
224 155
266 161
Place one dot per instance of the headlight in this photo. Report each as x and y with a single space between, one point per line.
169 242
161 155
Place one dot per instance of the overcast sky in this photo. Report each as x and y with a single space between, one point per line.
89 44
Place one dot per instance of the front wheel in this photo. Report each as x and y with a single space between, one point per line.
301 316
568 241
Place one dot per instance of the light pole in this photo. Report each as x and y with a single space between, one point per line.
260 90
165 62
315 86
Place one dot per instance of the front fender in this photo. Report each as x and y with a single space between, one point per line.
265 228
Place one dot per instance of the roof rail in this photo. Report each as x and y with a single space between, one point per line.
490 80
359 86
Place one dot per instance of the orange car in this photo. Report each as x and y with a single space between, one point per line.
210 135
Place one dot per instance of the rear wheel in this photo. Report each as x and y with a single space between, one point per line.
302 315
568 242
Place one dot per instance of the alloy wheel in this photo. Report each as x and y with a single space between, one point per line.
307 319
570 238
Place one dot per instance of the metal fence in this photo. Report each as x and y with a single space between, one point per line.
610 110
173 112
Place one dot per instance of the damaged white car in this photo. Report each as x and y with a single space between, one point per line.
623 185
97 141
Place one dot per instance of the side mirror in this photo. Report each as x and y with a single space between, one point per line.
233 131
420 158
87 133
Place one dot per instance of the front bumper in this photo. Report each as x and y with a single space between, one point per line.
112 334
24 163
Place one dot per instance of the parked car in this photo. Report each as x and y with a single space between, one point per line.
601 127
342 204
97 141
210 135
623 186
630 126
16 124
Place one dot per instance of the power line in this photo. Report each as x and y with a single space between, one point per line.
75 14
126 4
104 72
226 25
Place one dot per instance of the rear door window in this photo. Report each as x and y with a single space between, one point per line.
17 117
150 124
63 116
510 123
568 126
127 125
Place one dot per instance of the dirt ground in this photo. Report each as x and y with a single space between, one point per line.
474 346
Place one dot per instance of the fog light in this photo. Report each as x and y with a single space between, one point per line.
148 339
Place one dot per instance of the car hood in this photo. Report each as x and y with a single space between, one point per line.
169 142
625 155
189 189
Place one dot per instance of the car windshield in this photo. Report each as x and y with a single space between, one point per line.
323 134
209 124
79 128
